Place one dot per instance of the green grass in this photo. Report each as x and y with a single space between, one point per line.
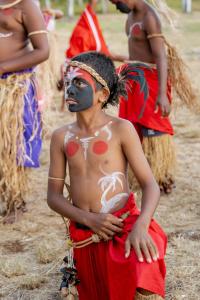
175 4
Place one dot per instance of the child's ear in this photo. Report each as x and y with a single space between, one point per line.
103 96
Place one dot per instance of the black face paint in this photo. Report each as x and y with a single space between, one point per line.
83 96
122 7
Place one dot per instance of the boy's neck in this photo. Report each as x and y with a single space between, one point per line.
87 120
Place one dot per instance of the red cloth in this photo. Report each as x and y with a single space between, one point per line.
130 108
105 273
87 35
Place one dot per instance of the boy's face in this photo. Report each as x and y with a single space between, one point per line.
126 4
80 89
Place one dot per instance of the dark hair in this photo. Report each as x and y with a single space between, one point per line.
104 66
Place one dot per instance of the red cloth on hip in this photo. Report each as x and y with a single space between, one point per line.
87 35
131 107
105 273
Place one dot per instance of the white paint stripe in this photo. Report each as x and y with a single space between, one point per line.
94 30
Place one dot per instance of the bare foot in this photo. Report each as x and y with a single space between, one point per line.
15 215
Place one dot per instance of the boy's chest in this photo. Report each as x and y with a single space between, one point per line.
135 28
92 150
10 19
89 150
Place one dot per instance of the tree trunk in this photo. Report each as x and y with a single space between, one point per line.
104 5
187 6
48 3
70 8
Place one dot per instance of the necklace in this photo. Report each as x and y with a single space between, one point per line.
5 6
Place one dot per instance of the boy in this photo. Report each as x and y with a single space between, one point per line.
160 69
119 252
21 22
87 36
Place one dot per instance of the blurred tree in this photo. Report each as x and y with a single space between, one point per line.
187 6
48 3
70 8
104 5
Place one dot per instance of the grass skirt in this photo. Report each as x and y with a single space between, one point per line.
20 135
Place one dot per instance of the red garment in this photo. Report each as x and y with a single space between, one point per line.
105 273
131 108
87 35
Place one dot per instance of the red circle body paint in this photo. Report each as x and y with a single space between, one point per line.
7 11
136 30
100 147
72 148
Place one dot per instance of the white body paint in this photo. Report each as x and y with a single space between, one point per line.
85 141
5 35
85 144
107 130
108 183
68 136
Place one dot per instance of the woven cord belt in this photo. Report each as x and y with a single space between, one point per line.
95 238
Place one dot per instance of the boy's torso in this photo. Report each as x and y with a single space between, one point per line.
13 38
138 44
97 167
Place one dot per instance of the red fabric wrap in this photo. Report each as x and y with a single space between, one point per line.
130 108
83 39
106 274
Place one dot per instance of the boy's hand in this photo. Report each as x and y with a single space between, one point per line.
163 103
142 244
105 225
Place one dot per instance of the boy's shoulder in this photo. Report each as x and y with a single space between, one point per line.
59 133
121 124
29 7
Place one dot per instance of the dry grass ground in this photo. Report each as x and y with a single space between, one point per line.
32 249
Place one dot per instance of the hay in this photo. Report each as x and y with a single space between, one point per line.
47 251
160 153
12 267
179 78
13 183
48 75
31 282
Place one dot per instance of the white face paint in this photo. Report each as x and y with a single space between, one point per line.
70 75
109 183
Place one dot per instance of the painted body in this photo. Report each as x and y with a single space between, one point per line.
98 165
101 173
15 24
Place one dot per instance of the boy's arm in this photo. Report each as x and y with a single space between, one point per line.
118 57
106 225
33 21
57 173
139 237
153 26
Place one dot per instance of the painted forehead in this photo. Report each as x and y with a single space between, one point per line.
75 72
